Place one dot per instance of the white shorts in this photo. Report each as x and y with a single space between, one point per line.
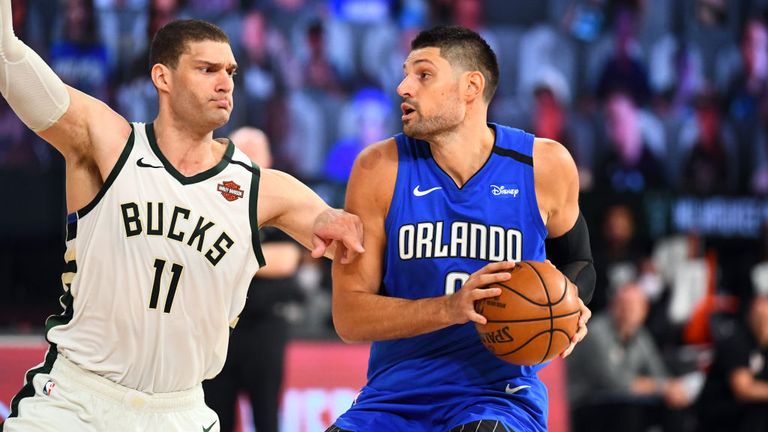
71 399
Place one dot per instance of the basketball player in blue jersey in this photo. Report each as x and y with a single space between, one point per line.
162 238
448 207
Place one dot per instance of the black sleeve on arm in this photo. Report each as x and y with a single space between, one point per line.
571 253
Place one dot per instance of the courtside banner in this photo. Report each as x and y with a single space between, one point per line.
321 381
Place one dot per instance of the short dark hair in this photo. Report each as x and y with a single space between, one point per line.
465 48
170 42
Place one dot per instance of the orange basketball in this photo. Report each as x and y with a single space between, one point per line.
534 318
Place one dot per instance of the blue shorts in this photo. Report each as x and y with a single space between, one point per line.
442 410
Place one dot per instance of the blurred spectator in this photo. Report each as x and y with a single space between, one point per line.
759 271
619 256
748 101
318 71
79 58
368 118
161 12
16 150
136 96
628 164
256 353
617 380
735 396
122 26
710 166
265 70
625 70
552 119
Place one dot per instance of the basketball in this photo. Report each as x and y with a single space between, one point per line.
534 318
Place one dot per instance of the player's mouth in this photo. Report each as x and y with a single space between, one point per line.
408 111
221 103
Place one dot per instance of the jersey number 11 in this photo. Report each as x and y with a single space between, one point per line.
176 270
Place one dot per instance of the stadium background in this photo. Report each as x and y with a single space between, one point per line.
662 103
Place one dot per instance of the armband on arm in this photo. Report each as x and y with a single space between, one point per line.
32 89
571 253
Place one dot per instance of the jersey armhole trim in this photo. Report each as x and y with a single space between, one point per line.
539 224
111 177
252 210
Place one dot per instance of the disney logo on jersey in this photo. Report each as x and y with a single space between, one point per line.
230 190
505 191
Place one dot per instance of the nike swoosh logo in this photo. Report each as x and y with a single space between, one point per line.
510 390
207 429
143 164
418 193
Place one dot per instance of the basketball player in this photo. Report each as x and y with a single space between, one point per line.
162 238
438 203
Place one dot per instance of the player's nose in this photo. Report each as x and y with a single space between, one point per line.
224 82
405 88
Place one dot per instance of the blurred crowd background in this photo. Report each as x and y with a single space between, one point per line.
663 104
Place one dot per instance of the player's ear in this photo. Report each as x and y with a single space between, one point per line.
474 85
160 76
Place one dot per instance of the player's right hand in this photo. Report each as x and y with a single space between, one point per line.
461 304
336 232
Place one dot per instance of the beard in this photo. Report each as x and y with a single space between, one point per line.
424 128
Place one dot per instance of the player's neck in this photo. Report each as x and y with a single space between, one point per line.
463 151
191 151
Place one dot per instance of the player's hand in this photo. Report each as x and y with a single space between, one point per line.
581 332
337 233
461 304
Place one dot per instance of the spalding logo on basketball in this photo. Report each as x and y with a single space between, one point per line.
534 318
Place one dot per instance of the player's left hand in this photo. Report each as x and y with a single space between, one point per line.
581 332
337 233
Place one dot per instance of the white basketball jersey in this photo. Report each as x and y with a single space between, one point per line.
158 267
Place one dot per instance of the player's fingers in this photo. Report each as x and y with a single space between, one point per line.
581 333
353 242
496 267
480 294
318 247
568 350
476 317
347 255
486 279
586 314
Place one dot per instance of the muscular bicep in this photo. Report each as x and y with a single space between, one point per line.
369 193
557 186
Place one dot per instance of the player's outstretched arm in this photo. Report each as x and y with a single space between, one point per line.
360 312
288 204
61 115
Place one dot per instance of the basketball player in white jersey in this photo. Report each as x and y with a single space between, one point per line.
162 238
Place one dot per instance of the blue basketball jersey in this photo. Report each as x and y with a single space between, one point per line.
438 234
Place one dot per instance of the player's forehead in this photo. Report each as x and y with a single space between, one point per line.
425 56
209 51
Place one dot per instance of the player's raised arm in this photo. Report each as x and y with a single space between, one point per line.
288 204
79 126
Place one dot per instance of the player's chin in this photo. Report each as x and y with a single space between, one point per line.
219 118
410 129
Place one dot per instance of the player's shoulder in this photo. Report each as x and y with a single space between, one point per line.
374 175
379 156
551 157
550 150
